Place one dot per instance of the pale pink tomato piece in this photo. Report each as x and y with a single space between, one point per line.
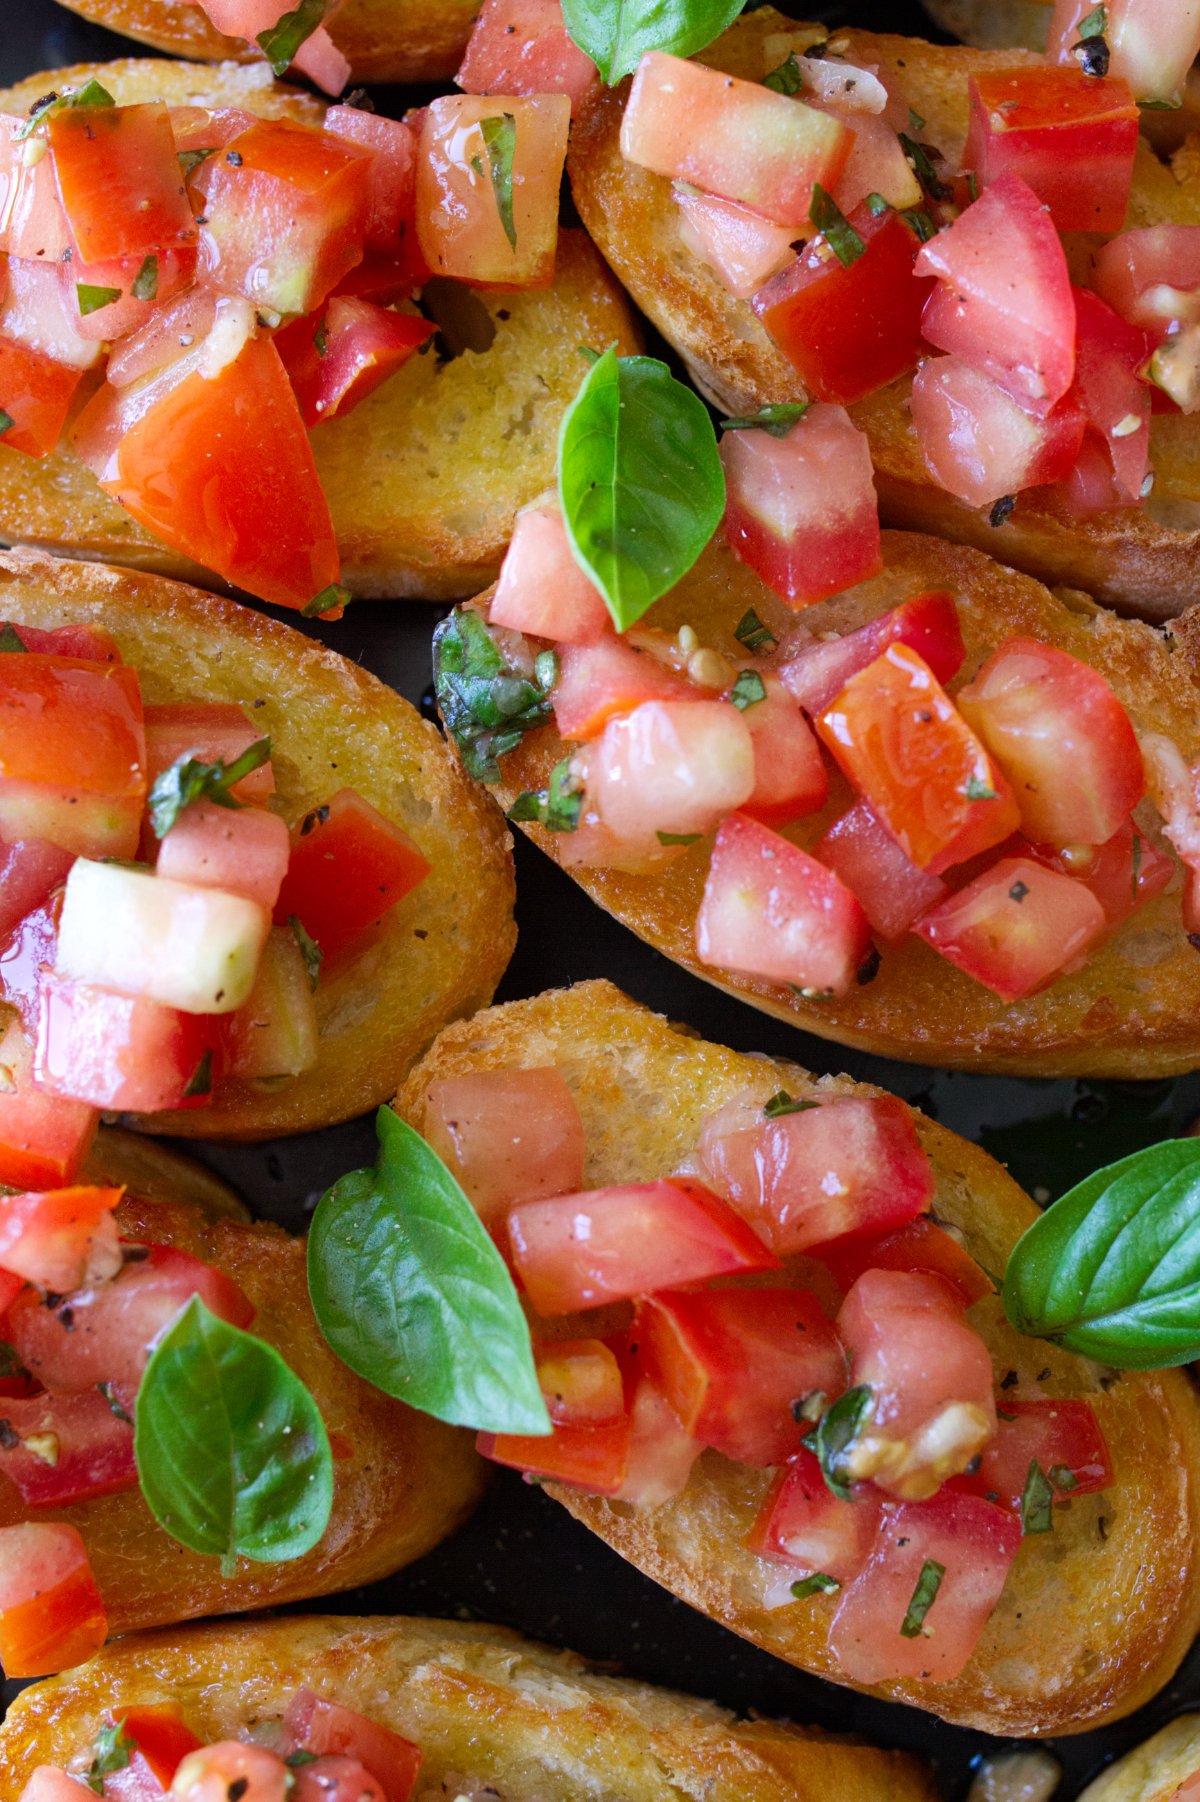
26 954
876 164
50 1784
1004 303
790 778
462 228
318 56
1069 135
120 1052
1091 487
815 670
336 1779
243 851
522 47
43 1139
593 847
674 767
29 870
893 890
312 1724
33 226
1016 927
35 312
803 1523
392 184
802 510
1152 43
60 1238
1062 1437
732 138
771 910
543 589
606 679
507 1135
251 1772
207 128
1188 1791
1151 276
848 1165
275 1032
580 1251
742 247
1110 356
51 1613
876 1635
1062 738
1123 874
127 312
173 330
1174 787
210 731
661 1450
65 1448
978 443
732 1363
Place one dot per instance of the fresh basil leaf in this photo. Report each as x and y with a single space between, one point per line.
782 1103
918 219
876 204
923 1597
838 232
90 94
192 159
281 41
296 1761
201 1080
922 164
748 690
679 838
500 141
817 1584
232 1454
486 702
1094 24
1112 1269
977 790
777 419
91 299
1037 1501
558 807
7 422
836 1433
788 78
114 1749
145 282
411 1293
915 121
310 951
750 630
10 638
189 780
325 602
640 481
616 34
1063 1478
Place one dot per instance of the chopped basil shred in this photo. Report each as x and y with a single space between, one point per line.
201 1080
923 1597
7 422
915 121
839 234
679 838
979 791
189 780
1094 24
777 419
114 1749
329 598
750 630
1063 1478
788 78
10 639
782 1103
281 41
500 142
748 690
616 34
876 204
310 951
109 1393
487 703
921 223
145 282
90 94
192 159
321 336
558 807
1037 1501
926 174
818 1584
91 298
837 1432
295 1761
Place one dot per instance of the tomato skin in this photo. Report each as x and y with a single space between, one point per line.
979 444
1123 874
25 956
602 1245
816 670
507 1135
60 1238
661 1450
43 1139
33 226
119 180
542 589
850 331
36 393
742 247
222 470
919 1245
214 732
30 869
391 185
522 47
119 1052
35 312
591 1458
348 868
72 754
732 1362
92 1449
802 1522
581 1382
891 889
790 778
364 345
51 1614
243 852
50 1784
1110 357
600 681
990 931
326 1728
1063 1436
674 767
1070 136
335 1779
90 644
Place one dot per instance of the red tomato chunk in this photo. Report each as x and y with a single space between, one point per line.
1016 927
1063 1438
212 732
62 1238
979 444
920 1245
118 176
893 891
1123 874
29 870
816 670
790 777
601 680
338 357
522 47
462 228
802 1522
349 867
161 1741
36 395
51 1614
1070 136
62 1449
312 1724
72 754
43 1140
592 1458
120 1052
507 1135
543 589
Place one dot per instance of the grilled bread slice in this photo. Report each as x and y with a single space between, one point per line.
1153 1771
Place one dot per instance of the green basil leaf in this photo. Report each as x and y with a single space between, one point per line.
189 780
1112 1269
91 299
750 630
836 1433
788 78
616 34
923 1597
817 1584
922 164
145 282
114 1749
640 481
839 234
558 807
115 1405
232 1453
782 1103
1094 24
310 951
500 141
90 94
978 790
281 41
201 1080
411 1293
1037 1501
876 204
679 838
7 422
192 159
777 419
329 598
748 690
487 704
10 638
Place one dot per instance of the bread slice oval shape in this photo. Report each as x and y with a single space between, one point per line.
1155 1770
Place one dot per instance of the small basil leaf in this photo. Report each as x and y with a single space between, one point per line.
145 282
114 1749
329 598
748 690
91 298
788 78
10 638
558 807
188 780
817 1584
281 41
782 1103
679 838
839 234
1037 1501
500 142
7 422
310 951
640 481
777 419
90 94
192 159
1112 1269
486 702
232 1453
616 34
750 630
411 1293
836 1433
1095 24
923 1597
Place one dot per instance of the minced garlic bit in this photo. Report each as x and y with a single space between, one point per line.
44 1446
1125 427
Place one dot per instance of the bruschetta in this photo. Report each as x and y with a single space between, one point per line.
183 682
1164 1768
407 488
1140 556
1127 1010
484 1713
1094 1612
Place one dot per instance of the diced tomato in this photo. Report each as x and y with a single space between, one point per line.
1151 276
673 767
902 743
979 444
311 1724
581 1382
771 910
114 1324
1062 738
802 510
318 57
51 1614
335 1779
385 278
43 1139
35 397
118 177
336 358
391 186
543 589
473 225
1123 874
35 312
33 226
222 469
591 1458
892 890
1004 302
817 669
250 1771
92 644
29 869
1062 1437
971 1544
275 1032
120 1052
1071 137
62 1449
207 128
139 287
60 1239
802 1522
161 1741
508 1135
850 329
72 754
852 1164
172 330
1110 357
1152 43
50 1784
919 1245
790 778
1091 486
1016 927
25 956
602 1245
733 1363
522 47
210 731
732 138
349 867
661 1450
742 247
243 851
600 681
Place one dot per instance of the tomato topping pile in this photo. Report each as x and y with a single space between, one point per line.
160 928
898 1479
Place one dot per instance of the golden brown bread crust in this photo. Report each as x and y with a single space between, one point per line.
155 1171
384 40
402 1479
1132 1011
481 1702
1153 1771
1093 1621
1146 562
424 478
442 950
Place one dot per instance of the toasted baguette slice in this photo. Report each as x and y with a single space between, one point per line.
402 1479
1093 1621
442 949
1153 1771
493 1713
1145 562
424 478
384 40
1132 1011
157 1172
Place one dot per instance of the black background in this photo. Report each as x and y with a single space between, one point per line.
521 1560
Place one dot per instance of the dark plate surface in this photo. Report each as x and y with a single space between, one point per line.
521 1560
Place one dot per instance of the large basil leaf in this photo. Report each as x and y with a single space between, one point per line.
411 1293
232 1453
616 34
640 481
487 703
1112 1270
